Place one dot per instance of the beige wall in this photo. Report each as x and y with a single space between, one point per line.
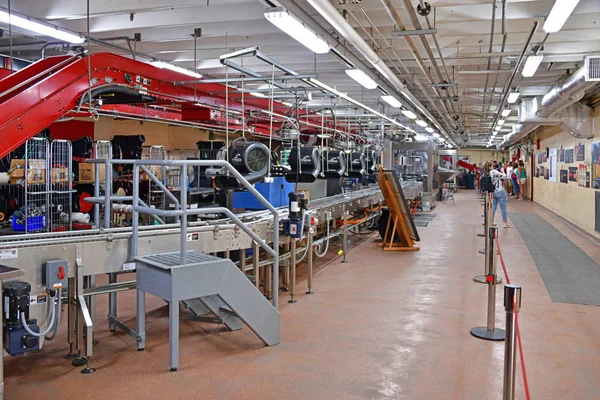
172 137
572 202
480 156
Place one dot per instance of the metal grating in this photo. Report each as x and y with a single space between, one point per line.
592 68
172 259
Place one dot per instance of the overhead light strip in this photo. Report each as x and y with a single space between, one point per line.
40 28
292 26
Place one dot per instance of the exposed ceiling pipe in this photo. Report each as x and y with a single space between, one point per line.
417 25
413 49
563 94
335 19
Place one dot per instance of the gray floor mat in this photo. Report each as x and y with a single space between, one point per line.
421 224
569 274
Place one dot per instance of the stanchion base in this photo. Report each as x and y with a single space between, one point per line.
482 279
292 301
482 251
482 332
481 234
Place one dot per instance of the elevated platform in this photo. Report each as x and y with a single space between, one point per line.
214 282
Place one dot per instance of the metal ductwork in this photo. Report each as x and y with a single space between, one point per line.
557 107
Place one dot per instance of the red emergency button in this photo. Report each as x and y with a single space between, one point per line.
61 272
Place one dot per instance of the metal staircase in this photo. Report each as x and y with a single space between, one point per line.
212 283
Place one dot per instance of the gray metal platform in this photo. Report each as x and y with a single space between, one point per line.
216 283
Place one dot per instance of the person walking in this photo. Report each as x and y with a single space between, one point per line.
498 179
522 175
514 179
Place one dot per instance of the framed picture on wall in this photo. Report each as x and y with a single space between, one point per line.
569 156
561 155
596 165
580 152
564 176
572 174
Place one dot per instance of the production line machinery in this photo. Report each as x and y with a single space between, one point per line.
62 266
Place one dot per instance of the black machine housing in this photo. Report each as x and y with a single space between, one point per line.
372 161
357 166
15 295
305 164
251 159
335 164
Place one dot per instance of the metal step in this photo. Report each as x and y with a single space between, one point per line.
214 304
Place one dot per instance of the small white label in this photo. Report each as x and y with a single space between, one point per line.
129 266
9 253
38 299
294 206
192 237
193 206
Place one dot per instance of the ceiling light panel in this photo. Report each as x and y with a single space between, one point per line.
513 97
175 68
422 124
392 101
531 65
362 78
559 14
409 114
40 28
289 24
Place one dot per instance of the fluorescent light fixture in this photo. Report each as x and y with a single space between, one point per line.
40 28
421 138
392 101
409 114
430 130
506 113
494 133
441 139
497 128
422 124
286 22
501 122
257 94
513 97
531 65
175 68
436 135
362 78
559 14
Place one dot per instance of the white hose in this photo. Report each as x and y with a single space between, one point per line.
58 313
326 246
50 325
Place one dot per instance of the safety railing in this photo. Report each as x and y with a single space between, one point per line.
181 210
512 305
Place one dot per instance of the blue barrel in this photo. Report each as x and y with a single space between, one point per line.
469 181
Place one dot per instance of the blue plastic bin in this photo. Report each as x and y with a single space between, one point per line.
36 223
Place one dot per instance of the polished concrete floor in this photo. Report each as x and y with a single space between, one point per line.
381 326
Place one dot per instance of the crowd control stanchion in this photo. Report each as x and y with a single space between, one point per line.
489 221
485 199
490 332
512 305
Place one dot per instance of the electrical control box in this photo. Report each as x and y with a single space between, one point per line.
57 274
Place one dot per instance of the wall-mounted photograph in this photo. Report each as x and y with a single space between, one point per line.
569 156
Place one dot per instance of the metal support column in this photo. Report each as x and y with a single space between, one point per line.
345 234
286 272
512 305
292 270
173 335
309 244
242 264
112 303
256 263
71 317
